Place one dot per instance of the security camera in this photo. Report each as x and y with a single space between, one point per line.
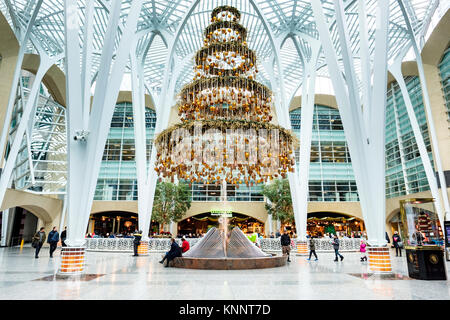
81 135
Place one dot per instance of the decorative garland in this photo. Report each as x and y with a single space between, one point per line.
224 124
233 49
223 82
225 25
221 9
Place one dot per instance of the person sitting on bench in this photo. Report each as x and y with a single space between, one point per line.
175 251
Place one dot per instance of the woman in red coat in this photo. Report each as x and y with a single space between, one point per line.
184 245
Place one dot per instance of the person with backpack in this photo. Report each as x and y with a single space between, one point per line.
53 238
335 243
38 241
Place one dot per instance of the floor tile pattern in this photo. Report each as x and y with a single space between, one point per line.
121 276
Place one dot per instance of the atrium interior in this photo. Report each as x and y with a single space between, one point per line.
324 121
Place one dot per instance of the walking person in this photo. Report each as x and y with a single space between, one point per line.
312 248
175 251
286 245
397 241
136 241
53 238
362 249
335 243
38 241
64 237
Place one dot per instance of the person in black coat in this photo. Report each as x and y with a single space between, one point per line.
38 241
136 241
53 238
64 237
175 251
396 240
286 245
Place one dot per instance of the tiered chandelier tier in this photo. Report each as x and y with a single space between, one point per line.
225 132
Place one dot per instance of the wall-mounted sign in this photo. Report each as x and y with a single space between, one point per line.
222 213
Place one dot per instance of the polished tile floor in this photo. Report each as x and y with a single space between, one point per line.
121 276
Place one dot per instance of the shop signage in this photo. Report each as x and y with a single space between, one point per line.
222 213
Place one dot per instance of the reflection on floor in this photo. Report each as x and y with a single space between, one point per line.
121 276
82 277
388 276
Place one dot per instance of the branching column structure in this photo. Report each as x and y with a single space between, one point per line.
365 138
25 126
45 63
396 71
138 92
282 111
90 125
427 104
23 37
163 106
307 112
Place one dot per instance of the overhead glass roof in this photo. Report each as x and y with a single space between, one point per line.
276 30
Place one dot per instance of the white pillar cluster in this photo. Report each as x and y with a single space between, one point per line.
364 125
361 98
88 125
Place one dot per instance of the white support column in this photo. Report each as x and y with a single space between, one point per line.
140 141
399 141
63 215
85 156
87 62
427 104
12 94
376 158
396 71
5 220
307 113
293 186
367 154
23 125
365 59
163 108
269 224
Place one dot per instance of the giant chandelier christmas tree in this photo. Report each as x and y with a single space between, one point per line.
225 134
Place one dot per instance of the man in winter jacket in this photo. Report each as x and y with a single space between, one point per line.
336 248
312 248
38 241
53 238
286 244
175 251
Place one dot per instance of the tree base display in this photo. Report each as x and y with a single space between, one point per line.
229 263
426 263
223 250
